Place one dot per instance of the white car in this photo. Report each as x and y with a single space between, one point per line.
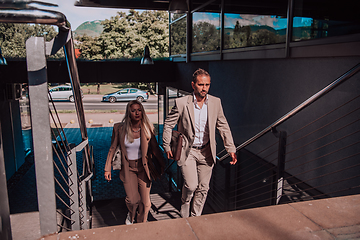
62 92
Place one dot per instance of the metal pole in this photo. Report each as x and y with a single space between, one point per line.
73 189
169 34
227 187
281 165
289 29
5 226
188 33
166 103
40 122
222 30
75 83
85 221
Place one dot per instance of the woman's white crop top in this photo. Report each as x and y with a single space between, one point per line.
133 149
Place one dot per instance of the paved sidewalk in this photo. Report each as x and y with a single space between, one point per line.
334 218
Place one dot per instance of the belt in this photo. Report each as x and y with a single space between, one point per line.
200 147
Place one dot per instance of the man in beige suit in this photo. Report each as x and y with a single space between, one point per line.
197 116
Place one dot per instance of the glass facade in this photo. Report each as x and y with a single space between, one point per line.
25 119
245 30
178 35
327 21
206 32
248 25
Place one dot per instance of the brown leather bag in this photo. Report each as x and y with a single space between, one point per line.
176 144
156 166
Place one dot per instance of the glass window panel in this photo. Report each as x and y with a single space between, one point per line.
172 94
245 30
206 31
312 21
178 37
25 119
174 16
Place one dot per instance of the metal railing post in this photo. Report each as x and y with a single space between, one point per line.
227 187
73 189
82 202
84 221
40 122
282 135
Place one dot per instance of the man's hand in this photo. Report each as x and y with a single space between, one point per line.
169 155
108 176
234 158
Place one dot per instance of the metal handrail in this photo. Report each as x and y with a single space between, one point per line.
22 12
297 109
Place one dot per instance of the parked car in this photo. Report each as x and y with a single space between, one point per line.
62 92
126 94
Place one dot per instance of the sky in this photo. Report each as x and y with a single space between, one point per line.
77 15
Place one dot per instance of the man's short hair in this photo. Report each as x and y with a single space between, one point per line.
199 72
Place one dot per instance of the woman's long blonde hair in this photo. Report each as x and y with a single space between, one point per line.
145 124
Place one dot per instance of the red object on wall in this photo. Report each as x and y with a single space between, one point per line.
77 53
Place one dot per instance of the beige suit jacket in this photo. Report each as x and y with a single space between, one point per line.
118 138
182 114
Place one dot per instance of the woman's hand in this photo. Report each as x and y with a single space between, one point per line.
169 155
108 176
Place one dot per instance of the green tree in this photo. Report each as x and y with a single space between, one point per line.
90 48
17 34
237 29
246 30
239 37
178 37
263 37
125 36
205 37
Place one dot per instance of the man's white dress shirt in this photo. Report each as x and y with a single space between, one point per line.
201 126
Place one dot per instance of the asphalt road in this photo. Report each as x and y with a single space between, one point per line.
93 102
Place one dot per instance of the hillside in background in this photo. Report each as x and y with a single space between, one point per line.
92 29
254 28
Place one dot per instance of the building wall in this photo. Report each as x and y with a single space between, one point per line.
256 93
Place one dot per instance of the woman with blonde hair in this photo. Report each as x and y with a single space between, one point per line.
135 136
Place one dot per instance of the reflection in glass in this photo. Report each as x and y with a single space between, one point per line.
161 117
317 19
244 30
172 93
174 16
305 28
178 37
206 31
25 119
